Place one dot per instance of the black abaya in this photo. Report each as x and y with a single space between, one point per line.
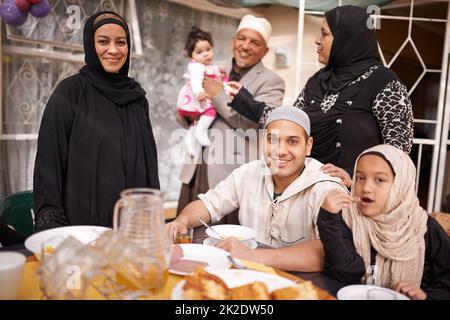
91 146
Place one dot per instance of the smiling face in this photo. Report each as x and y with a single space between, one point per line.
286 145
373 182
111 47
324 42
203 52
249 48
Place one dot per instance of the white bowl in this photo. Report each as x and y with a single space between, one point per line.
232 230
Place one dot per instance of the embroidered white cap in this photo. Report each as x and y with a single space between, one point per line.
260 25
292 114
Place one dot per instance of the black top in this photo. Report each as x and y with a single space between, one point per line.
371 110
89 149
343 263
95 140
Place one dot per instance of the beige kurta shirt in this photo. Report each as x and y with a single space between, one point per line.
288 220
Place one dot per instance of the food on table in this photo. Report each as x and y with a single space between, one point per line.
177 263
303 291
177 254
236 237
202 285
187 266
251 291
49 249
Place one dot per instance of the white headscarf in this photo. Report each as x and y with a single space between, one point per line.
397 235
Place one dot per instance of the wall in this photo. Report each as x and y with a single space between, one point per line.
284 22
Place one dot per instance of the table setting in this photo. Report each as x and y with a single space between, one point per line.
215 260
136 260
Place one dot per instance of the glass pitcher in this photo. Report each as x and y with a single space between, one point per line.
139 216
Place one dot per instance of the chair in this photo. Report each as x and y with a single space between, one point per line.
16 211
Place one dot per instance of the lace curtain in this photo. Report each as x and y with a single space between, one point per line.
27 82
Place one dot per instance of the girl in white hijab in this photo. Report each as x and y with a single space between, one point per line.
379 234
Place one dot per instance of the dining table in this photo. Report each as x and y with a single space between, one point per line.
326 286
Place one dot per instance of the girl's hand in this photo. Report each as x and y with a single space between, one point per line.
336 200
334 171
411 291
201 96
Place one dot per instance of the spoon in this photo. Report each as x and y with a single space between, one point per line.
209 227
236 263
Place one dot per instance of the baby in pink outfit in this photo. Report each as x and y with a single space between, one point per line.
192 100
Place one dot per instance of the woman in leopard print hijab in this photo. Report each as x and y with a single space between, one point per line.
354 102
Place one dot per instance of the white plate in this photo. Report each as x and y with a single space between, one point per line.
359 292
235 278
53 237
215 258
232 230
252 244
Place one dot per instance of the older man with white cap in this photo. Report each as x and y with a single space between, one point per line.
278 196
249 47
256 32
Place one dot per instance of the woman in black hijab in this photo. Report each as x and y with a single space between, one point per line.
95 137
353 102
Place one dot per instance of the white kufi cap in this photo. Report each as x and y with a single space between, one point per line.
261 25
292 114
